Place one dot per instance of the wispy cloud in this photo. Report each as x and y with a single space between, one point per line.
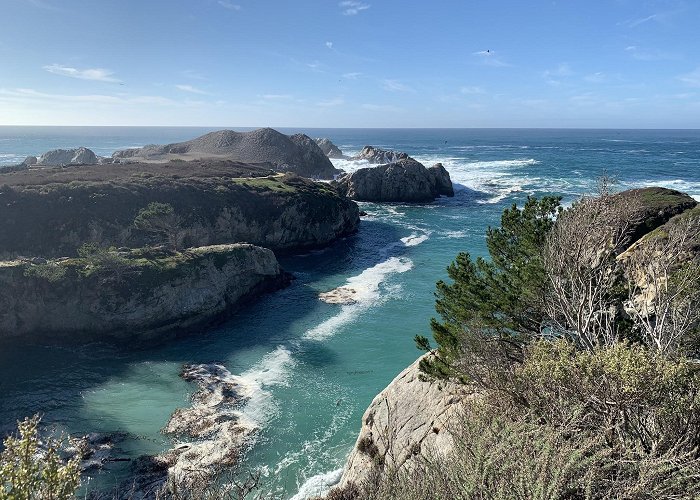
489 58
23 94
555 76
351 75
95 74
642 54
188 73
353 7
380 107
276 97
191 89
330 103
396 86
597 77
632 23
329 45
471 90
229 5
692 78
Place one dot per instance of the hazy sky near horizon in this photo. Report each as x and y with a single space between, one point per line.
351 63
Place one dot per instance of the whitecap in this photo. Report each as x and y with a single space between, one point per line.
367 292
318 485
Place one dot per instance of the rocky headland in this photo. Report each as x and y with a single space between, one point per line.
374 154
131 294
51 212
404 180
296 153
409 421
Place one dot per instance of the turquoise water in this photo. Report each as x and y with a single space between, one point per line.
314 366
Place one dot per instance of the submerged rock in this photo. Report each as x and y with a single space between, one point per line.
215 429
343 295
62 157
328 148
403 181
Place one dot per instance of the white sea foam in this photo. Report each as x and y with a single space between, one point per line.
318 484
273 369
367 287
414 239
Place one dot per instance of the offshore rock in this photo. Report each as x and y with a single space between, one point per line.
136 296
296 153
403 181
379 155
409 419
328 148
63 157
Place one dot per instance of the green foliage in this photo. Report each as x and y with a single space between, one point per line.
502 458
33 470
503 296
635 397
106 263
161 222
51 271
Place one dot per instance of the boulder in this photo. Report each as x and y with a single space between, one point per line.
62 157
378 155
402 181
328 148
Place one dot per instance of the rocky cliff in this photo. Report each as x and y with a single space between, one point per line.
52 212
296 153
409 419
378 155
405 180
61 157
131 293
328 148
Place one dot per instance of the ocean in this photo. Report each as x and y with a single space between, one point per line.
315 366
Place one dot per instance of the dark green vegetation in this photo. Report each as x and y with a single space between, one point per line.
581 346
52 212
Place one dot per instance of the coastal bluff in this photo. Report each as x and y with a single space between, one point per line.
296 153
132 294
51 212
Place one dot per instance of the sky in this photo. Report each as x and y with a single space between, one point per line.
351 63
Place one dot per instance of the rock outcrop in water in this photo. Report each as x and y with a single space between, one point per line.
294 153
328 148
405 180
63 157
379 155
52 212
131 294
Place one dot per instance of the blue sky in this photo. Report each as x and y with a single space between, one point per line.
356 63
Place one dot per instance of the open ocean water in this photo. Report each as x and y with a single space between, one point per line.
314 366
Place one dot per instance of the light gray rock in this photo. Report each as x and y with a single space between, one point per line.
403 181
379 155
62 157
408 419
30 160
328 148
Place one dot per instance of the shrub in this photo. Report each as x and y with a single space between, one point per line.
51 271
31 469
161 222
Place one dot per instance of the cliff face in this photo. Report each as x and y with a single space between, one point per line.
131 294
408 419
52 212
